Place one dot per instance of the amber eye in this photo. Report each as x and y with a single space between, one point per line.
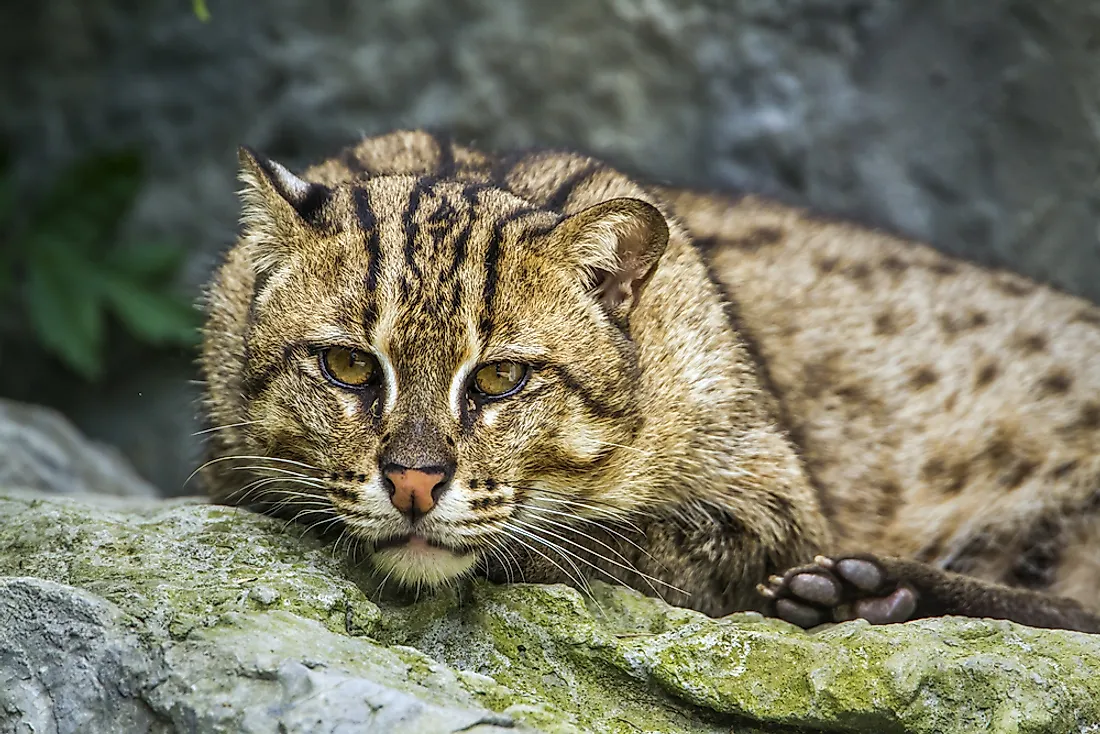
348 367
498 379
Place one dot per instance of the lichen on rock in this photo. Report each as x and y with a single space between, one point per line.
202 618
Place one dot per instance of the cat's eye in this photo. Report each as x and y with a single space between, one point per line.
348 367
499 379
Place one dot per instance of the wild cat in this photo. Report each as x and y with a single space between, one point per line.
535 367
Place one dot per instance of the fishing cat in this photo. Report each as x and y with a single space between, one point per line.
535 367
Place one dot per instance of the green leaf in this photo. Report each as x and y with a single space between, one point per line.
150 262
201 11
84 208
64 310
153 317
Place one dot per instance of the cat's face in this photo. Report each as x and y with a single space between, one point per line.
448 367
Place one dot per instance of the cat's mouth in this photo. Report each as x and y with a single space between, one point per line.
416 541
413 560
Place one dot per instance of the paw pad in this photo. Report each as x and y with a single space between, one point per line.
835 590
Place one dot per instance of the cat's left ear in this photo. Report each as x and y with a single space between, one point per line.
271 190
278 207
617 245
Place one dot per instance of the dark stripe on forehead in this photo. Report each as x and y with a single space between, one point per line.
369 222
560 197
444 212
492 262
462 241
440 222
412 230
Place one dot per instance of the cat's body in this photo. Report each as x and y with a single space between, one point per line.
699 414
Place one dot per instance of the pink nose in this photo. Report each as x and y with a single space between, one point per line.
414 491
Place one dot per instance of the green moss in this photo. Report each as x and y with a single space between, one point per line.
180 566
618 661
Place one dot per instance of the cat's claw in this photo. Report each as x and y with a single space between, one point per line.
839 589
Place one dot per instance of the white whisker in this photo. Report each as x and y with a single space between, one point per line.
386 578
605 509
578 581
262 481
240 457
336 545
626 565
312 481
598 524
610 517
222 428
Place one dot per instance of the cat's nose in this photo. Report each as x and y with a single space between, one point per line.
416 491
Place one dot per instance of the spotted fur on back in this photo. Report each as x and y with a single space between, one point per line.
950 411
719 387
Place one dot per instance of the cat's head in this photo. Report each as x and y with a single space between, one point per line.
442 366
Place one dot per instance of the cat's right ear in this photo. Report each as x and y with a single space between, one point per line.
616 245
276 204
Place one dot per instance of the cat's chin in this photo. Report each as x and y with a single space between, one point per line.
416 563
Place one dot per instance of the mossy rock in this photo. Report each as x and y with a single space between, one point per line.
191 617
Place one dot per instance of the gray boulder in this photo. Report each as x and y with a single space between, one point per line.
134 616
72 662
41 450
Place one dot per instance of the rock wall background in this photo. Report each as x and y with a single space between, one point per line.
972 125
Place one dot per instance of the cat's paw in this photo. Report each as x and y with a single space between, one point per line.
839 589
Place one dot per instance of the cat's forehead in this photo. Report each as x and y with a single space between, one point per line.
439 263
437 243
411 201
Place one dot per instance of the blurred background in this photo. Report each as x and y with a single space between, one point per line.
973 125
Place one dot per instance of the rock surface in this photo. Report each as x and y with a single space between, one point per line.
973 125
134 616
40 449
